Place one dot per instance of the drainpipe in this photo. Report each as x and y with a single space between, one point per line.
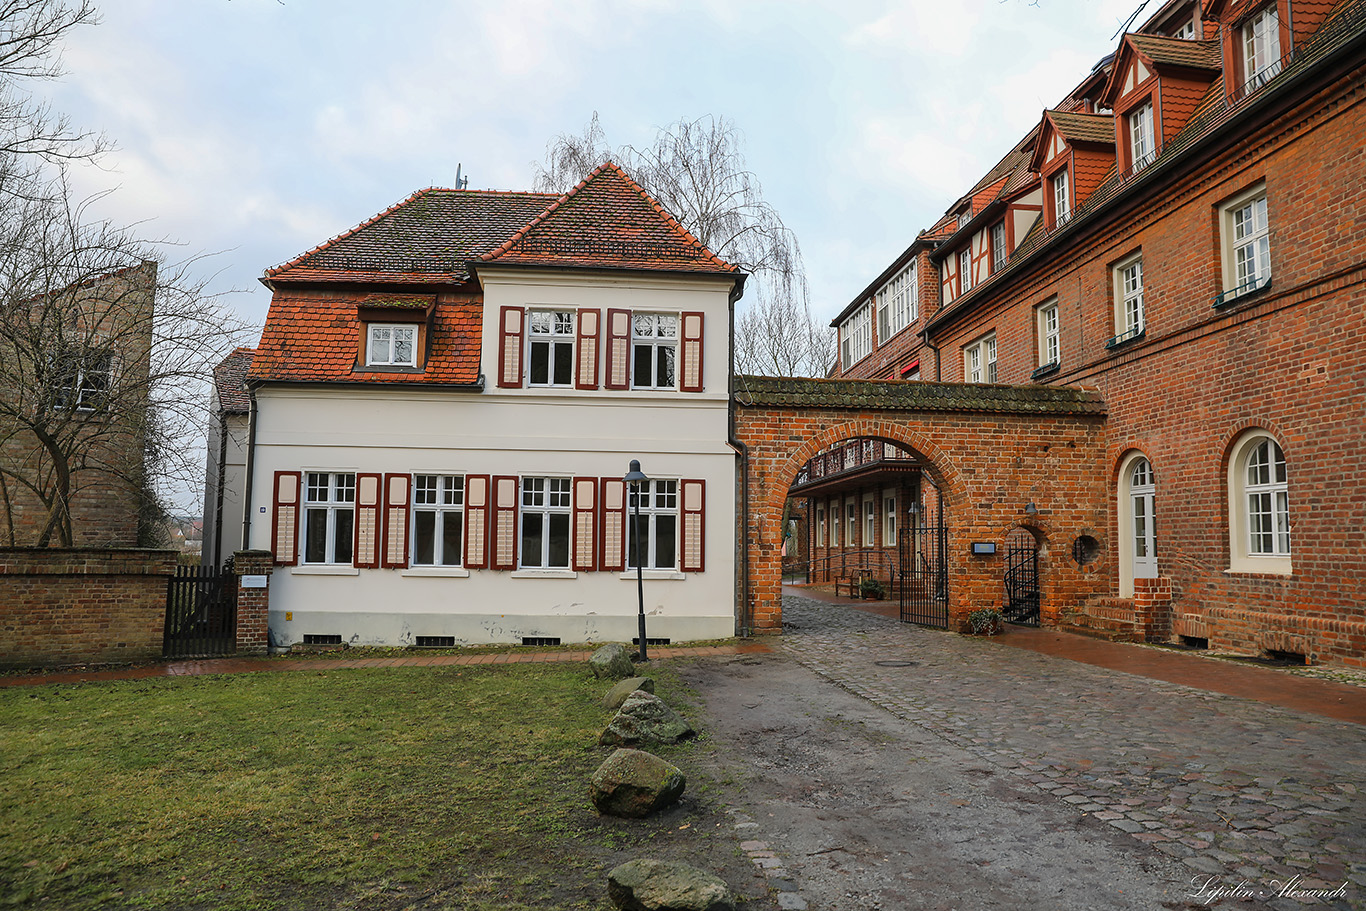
746 624
218 486
251 465
938 367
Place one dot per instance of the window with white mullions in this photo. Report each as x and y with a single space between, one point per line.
551 357
392 346
1062 207
654 350
889 528
1268 500
658 525
329 517
1251 243
1141 143
1050 347
438 519
1261 47
81 381
1142 492
545 523
1131 293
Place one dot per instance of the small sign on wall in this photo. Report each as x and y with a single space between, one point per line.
254 581
979 549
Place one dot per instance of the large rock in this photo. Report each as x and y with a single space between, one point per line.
644 718
634 784
611 662
657 885
617 694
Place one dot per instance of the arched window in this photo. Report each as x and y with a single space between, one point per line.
1259 505
1137 522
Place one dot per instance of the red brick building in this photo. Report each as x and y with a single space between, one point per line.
1185 232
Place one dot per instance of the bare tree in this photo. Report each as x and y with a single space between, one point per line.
103 346
696 170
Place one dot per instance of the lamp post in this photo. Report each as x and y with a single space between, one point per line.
634 479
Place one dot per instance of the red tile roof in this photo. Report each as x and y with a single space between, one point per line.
607 221
316 336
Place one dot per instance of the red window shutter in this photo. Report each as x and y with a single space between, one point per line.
587 368
692 526
504 540
367 521
476 521
618 374
585 524
397 500
690 355
284 532
613 546
510 323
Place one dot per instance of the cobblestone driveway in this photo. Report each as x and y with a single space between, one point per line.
1252 796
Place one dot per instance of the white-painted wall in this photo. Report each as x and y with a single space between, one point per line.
525 432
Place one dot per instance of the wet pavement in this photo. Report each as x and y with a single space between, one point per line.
1260 802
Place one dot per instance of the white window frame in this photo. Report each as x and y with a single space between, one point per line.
965 269
889 520
1245 235
550 335
1187 30
1050 345
869 519
851 514
442 498
1131 564
381 344
1260 39
80 381
330 498
1271 489
820 525
835 521
1062 207
900 300
979 360
658 509
856 336
1142 142
1000 256
654 336
551 500
1130 315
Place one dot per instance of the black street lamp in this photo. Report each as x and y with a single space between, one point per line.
635 478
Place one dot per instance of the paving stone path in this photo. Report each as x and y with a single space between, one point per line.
1254 797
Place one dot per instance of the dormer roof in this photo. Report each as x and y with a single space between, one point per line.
1160 53
1075 129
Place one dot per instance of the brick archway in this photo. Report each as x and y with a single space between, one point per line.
991 449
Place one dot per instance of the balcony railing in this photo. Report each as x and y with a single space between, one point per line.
847 457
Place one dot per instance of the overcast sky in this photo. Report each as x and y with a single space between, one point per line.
256 129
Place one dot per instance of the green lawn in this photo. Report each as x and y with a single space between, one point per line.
395 788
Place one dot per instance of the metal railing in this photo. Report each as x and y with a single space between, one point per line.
847 457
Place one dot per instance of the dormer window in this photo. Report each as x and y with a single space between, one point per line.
1186 31
1062 209
964 271
1141 144
999 254
1261 37
391 346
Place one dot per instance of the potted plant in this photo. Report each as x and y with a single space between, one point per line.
986 621
871 589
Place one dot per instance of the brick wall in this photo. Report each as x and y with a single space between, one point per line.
1289 360
89 606
989 466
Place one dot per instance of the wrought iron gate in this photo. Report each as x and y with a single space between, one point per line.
1022 582
924 576
201 612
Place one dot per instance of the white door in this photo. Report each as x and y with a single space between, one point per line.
1142 487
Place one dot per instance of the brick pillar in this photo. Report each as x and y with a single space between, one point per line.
253 600
1153 608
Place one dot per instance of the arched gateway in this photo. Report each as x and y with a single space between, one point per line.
1000 457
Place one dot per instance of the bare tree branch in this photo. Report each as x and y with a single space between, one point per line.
696 170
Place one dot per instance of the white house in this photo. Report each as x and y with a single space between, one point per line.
446 399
